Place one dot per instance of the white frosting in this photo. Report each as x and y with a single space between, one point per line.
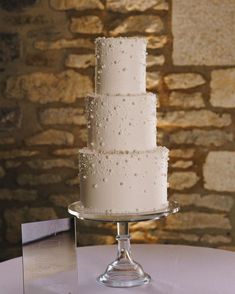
124 122
124 182
120 66
122 170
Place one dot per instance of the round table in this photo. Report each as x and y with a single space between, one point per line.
174 269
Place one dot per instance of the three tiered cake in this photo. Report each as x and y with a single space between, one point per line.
122 170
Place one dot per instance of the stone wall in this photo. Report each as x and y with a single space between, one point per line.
47 67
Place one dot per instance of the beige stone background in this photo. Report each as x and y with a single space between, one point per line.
47 68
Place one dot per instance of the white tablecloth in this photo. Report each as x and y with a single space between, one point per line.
174 270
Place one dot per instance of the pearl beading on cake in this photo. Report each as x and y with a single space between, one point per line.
138 175
117 122
120 66
122 170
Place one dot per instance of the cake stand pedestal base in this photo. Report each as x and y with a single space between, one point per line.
123 272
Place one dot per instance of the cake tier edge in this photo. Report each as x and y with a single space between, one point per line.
123 182
120 65
121 122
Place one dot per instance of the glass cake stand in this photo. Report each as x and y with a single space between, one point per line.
123 272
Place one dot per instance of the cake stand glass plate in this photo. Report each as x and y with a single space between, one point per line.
123 272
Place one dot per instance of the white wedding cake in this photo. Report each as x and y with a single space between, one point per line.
122 170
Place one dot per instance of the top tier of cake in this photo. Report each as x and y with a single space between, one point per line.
120 66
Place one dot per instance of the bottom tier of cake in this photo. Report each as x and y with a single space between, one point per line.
123 182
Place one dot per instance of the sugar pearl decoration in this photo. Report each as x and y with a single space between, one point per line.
111 168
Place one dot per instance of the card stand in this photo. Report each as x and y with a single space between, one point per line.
49 257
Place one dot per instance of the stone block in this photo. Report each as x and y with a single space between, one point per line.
47 164
203 32
14 218
142 226
64 44
44 87
82 135
181 153
193 118
10 118
63 200
197 220
185 100
46 32
13 163
77 5
159 235
90 24
156 42
9 164
182 164
2 172
183 80
7 141
95 239
154 60
160 137
41 213
18 195
139 24
63 116
23 19
38 180
219 171
9 47
40 59
201 137
124 6
139 237
223 88
51 137
12 5
66 152
73 182
17 153
80 61
215 239
210 201
152 80
182 180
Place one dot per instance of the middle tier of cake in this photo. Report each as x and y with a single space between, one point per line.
121 122
123 181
